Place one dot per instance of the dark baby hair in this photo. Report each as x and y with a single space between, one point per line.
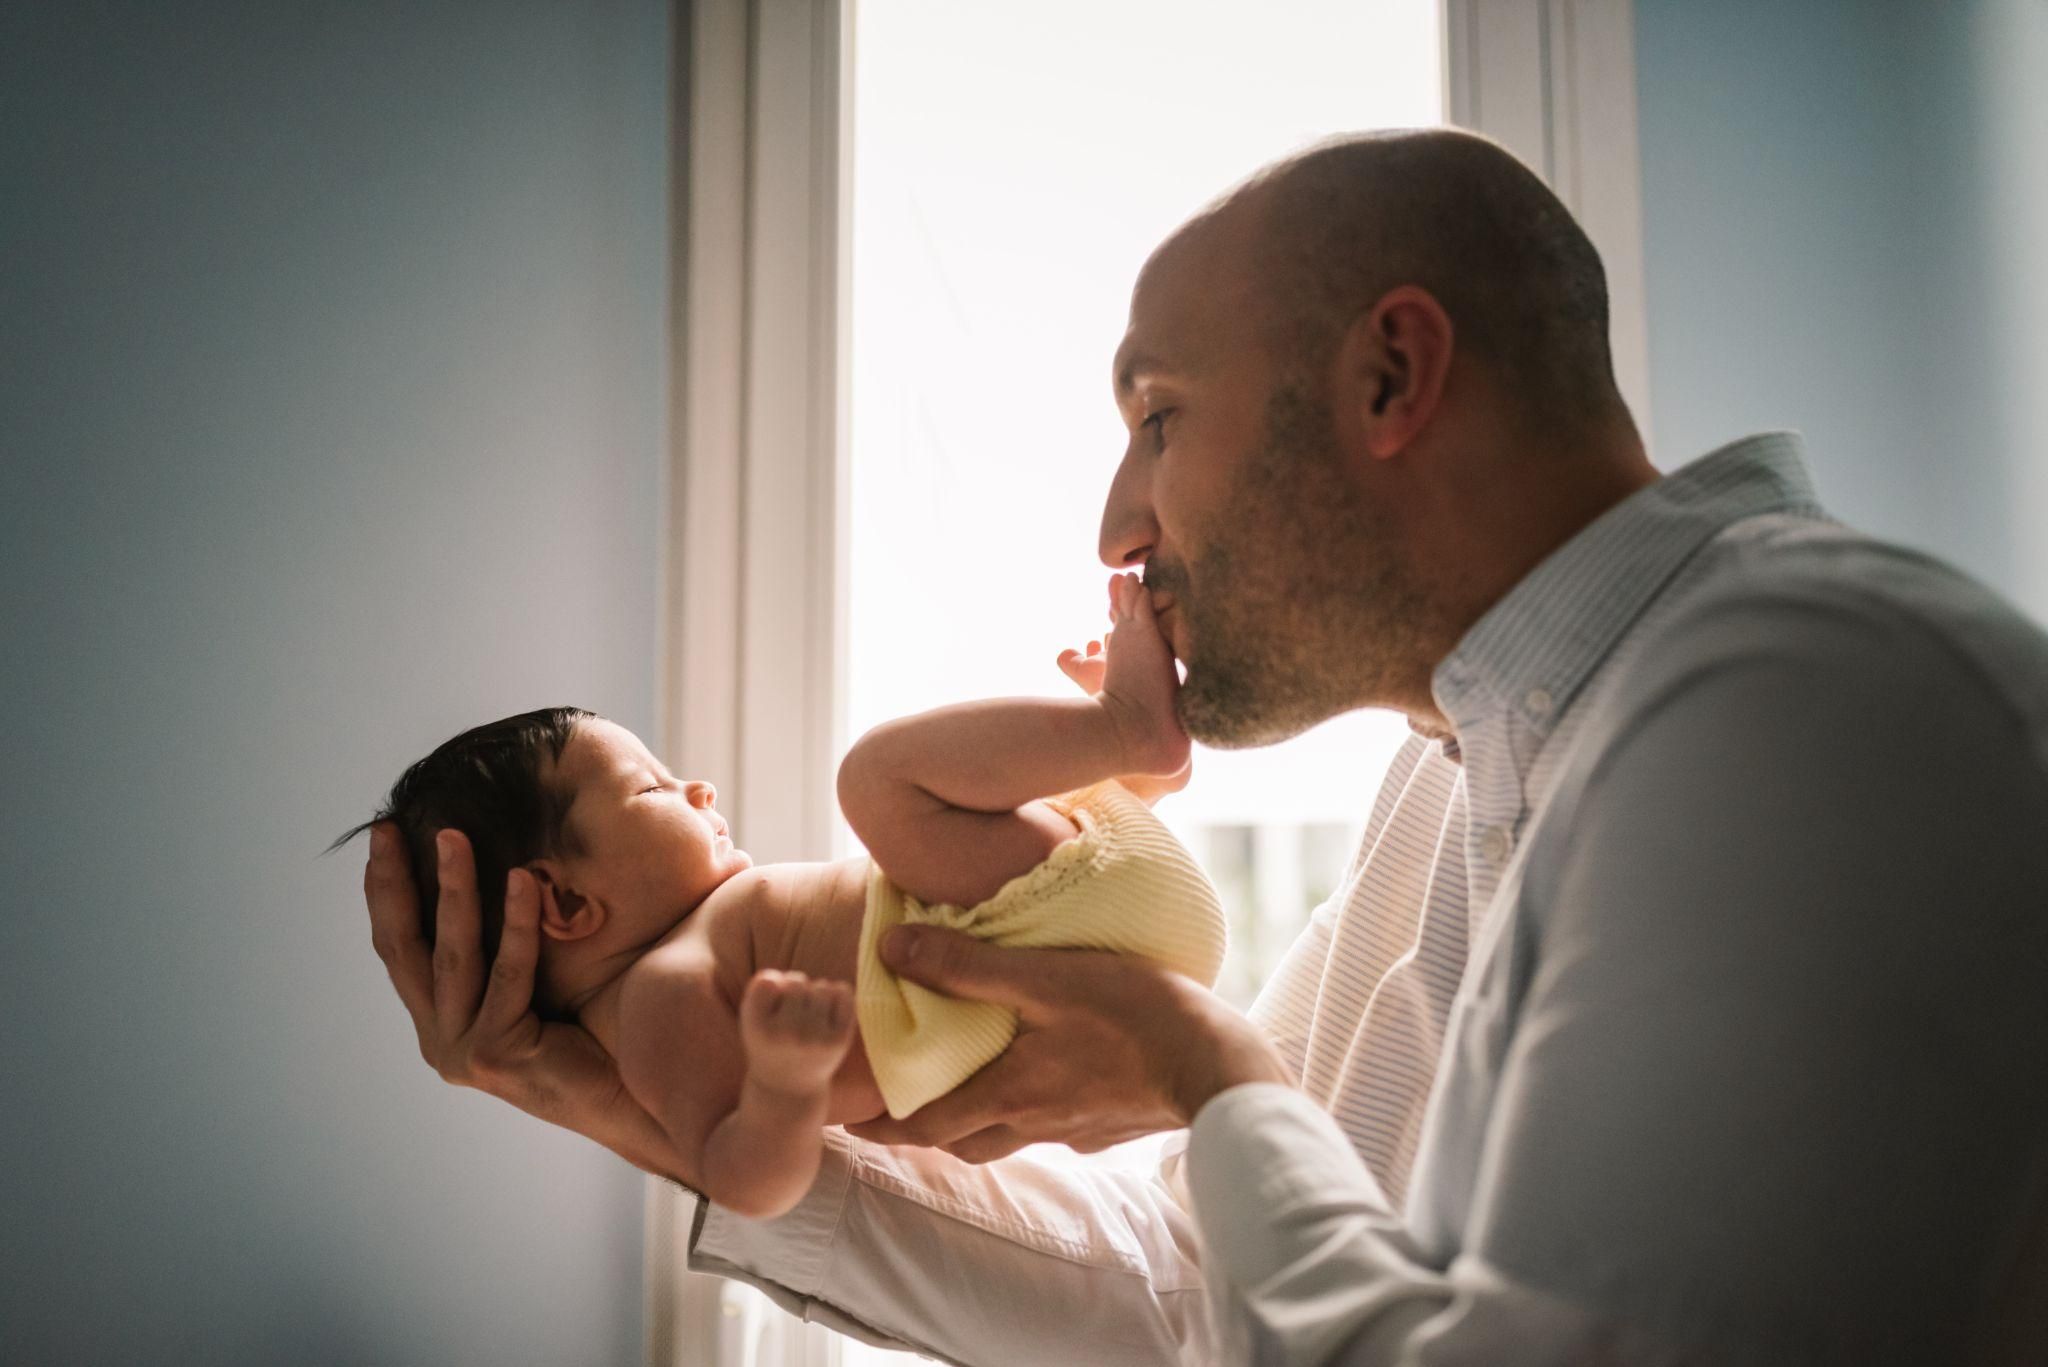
487 784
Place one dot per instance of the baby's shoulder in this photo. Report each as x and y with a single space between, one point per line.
677 967
717 945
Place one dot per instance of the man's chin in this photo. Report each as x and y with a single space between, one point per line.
1236 718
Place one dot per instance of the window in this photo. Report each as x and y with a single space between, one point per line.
993 254
910 232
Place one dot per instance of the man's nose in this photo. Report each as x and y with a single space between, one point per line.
1129 530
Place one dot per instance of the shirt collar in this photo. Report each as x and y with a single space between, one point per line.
1537 646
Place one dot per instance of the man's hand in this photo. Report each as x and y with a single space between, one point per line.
477 1028
1108 1048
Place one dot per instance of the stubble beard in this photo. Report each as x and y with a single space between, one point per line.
1295 607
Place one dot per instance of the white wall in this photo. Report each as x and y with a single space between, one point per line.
331 409
1846 224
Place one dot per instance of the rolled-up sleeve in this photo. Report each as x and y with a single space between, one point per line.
1010 1264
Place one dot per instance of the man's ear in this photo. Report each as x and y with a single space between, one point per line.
1394 360
565 913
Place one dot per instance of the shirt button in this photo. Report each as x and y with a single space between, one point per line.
1494 844
1538 702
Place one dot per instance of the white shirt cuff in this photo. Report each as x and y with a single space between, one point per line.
791 1248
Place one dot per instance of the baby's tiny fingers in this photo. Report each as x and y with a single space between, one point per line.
831 1005
820 1003
767 993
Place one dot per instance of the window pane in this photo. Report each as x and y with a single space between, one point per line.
1013 166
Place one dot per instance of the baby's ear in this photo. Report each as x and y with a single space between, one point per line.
565 914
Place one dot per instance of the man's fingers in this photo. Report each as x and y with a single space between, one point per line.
883 1129
395 922
933 1125
986 1146
458 932
508 994
962 966
984 1101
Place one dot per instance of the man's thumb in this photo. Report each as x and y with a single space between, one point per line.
962 966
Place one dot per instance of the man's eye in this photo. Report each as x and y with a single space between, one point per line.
1157 423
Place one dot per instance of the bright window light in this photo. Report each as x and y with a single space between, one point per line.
1012 168
1013 165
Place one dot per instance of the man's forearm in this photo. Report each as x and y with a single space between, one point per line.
1011 1264
617 1122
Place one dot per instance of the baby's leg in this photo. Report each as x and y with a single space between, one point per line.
946 802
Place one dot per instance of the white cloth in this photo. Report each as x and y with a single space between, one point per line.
1700 1014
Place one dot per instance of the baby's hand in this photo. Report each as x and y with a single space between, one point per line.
795 1029
1138 682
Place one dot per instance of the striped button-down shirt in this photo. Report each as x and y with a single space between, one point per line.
1616 1007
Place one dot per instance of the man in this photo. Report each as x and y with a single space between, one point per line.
1688 997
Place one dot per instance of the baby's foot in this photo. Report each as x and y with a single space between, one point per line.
795 1029
1085 667
1139 683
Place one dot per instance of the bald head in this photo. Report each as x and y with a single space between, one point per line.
1331 230
1366 392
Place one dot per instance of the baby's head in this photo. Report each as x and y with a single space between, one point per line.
622 851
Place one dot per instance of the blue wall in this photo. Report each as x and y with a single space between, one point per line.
332 366
1833 194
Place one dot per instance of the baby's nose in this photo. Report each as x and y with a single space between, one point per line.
700 793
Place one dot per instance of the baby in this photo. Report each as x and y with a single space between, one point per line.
723 991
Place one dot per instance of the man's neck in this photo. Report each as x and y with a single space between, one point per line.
1489 536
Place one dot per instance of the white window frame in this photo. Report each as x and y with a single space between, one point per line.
1554 81
754 605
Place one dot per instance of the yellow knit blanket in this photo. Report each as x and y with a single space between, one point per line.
1122 884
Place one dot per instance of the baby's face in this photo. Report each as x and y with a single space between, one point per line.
653 847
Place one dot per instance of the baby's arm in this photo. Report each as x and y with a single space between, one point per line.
744 1095
946 801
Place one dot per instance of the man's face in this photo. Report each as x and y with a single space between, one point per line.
1278 582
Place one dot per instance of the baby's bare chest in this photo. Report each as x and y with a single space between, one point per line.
800 917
